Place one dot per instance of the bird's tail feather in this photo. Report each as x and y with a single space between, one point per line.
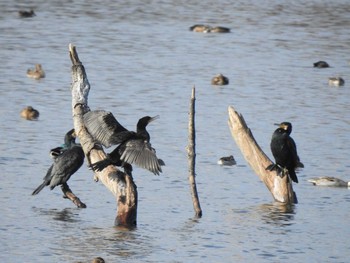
40 187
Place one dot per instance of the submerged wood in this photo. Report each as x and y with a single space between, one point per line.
119 183
191 151
280 188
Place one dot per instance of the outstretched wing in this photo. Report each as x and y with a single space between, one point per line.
142 154
104 127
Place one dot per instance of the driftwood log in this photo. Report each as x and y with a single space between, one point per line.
280 188
191 152
120 184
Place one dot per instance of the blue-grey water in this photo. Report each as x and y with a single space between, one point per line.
141 59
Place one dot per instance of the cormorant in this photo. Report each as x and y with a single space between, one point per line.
66 161
219 80
321 64
133 147
29 113
284 151
229 160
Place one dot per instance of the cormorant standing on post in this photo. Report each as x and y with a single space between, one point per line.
67 160
284 151
133 147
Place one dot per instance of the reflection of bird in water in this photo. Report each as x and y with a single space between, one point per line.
284 151
321 64
133 147
336 81
66 161
29 113
219 80
229 160
329 181
26 14
36 73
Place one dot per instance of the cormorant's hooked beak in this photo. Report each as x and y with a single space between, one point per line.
153 118
282 125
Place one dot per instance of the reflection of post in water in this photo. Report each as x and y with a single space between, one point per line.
280 188
277 213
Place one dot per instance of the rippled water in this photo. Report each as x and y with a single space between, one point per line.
141 59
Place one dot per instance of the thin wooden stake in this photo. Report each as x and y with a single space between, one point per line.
191 151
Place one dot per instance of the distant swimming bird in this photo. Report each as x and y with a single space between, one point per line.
36 73
329 181
208 29
200 28
66 162
219 80
29 113
321 64
336 81
284 150
229 160
220 29
26 14
133 147
98 260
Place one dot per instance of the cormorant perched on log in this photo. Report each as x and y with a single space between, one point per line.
284 151
133 147
67 160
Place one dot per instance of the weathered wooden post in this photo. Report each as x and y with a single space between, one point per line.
280 188
191 152
120 184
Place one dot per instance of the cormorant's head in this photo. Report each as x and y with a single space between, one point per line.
69 138
144 121
287 126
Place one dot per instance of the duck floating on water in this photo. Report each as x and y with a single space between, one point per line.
336 81
36 73
219 80
29 113
329 181
209 29
229 160
321 64
26 14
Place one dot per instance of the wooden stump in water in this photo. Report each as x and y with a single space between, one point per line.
280 188
120 184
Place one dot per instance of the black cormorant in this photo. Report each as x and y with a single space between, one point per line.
66 161
284 151
133 147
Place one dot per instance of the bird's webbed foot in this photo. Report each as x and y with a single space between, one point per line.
281 171
99 166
